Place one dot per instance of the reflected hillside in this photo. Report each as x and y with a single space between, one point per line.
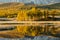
50 30
31 30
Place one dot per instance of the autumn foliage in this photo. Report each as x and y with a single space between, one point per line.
32 14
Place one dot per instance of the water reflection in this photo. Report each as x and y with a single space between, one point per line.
48 29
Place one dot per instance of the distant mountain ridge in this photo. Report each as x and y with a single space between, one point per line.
51 6
15 4
48 1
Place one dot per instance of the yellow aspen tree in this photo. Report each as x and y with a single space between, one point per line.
22 17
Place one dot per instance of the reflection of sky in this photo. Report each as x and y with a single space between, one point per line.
33 38
35 1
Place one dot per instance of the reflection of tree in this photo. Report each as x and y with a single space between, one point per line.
49 29
54 31
38 30
46 29
34 30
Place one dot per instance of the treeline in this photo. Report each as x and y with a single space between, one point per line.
35 14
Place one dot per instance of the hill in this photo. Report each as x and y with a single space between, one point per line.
17 5
51 6
10 5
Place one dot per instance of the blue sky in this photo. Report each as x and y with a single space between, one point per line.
14 0
35 1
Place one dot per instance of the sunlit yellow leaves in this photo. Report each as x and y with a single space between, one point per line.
32 14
